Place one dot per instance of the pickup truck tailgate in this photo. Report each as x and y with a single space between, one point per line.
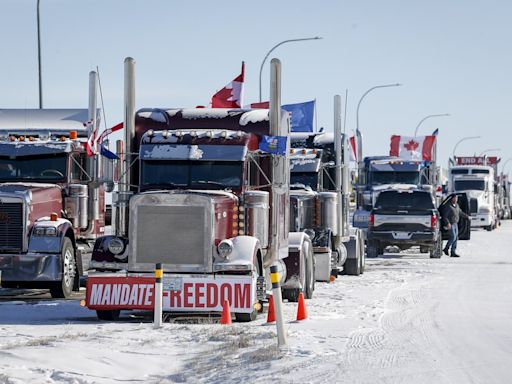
402 222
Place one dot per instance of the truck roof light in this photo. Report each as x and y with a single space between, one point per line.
239 134
223 134
165 134
53 216
193 133
30 138
178 134
63 138
292 150
304 151
151 132
73 135
12 138
22 138
209 134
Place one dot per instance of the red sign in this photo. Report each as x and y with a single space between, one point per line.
180 293
476 160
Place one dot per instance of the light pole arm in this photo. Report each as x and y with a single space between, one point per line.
39 58
425 118
460 141
278 45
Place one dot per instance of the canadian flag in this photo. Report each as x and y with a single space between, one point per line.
413 148
231 95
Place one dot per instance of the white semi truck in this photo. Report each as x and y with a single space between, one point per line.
475 177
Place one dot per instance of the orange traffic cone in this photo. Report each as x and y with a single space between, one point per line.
302 312
226 313
271 317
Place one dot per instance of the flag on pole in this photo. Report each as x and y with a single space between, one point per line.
353 147
90 144
107 132
436 132
413 148
301 115
106 153
260 105
273 144
231 95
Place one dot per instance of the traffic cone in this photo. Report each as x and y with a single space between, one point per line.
271 316
302 312
226 313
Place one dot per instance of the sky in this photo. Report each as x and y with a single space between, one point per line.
452 56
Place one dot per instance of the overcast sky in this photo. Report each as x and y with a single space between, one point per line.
453 56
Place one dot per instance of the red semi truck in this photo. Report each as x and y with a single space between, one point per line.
200 197
52 204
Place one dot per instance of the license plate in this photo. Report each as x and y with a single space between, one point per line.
173 284
401 235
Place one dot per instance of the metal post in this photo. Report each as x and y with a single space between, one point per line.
39 58
278 306
159 274
94 161
338 148
460 141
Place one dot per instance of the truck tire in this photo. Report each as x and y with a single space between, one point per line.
438 249
352 267
112 315
423 249
246 317
310 270
63 288
372 249
489 228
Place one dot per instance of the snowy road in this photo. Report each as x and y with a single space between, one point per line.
408 319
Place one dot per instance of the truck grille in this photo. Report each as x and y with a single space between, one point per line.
11 227
473 206
178 236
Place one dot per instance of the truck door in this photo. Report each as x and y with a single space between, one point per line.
464 223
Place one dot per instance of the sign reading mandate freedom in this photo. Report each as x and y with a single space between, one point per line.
180 293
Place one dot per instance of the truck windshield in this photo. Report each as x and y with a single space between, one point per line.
192 174
378 178
470 185
404 200
48 168
306 178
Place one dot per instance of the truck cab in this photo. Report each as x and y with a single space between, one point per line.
51 207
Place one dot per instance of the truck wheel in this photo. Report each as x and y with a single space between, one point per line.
246 317
489 228
362 257
64 288
352 267
438 249
372 249
310 270
423 249
112 315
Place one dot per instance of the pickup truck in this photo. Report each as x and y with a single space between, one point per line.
407 218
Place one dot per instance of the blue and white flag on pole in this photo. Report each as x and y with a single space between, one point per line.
301 116
106 153
273 144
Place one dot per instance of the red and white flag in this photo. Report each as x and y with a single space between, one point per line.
353 147
232 94
413 148
90 145
107 132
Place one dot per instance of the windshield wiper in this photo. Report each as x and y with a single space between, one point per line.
209 182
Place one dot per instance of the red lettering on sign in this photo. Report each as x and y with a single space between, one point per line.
226 293
242 297
199 293
175 299
187 294
212 295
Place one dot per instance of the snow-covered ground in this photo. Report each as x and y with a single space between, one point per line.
408 319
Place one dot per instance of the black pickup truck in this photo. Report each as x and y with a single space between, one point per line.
407 218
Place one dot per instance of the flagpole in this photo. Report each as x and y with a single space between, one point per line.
316 117
428 117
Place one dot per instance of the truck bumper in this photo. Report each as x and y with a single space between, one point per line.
403 238
481 221
181 292
30 269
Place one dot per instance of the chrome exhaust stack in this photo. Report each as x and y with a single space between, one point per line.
94 162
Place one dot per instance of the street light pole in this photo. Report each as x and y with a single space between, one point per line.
460 141
425 118
358 133
39 58
505 164
279 44
489 150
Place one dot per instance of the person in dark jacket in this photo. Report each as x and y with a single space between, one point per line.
451 216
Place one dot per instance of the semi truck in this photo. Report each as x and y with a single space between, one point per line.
379 173
476 177
52 196
199 196
320 200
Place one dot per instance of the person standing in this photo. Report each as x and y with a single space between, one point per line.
451 216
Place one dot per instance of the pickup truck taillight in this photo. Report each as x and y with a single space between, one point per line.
433 221
371 221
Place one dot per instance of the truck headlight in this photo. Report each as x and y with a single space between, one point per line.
116 246
45 231
224 248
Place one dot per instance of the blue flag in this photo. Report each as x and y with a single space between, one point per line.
109 155
273 144
301 116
